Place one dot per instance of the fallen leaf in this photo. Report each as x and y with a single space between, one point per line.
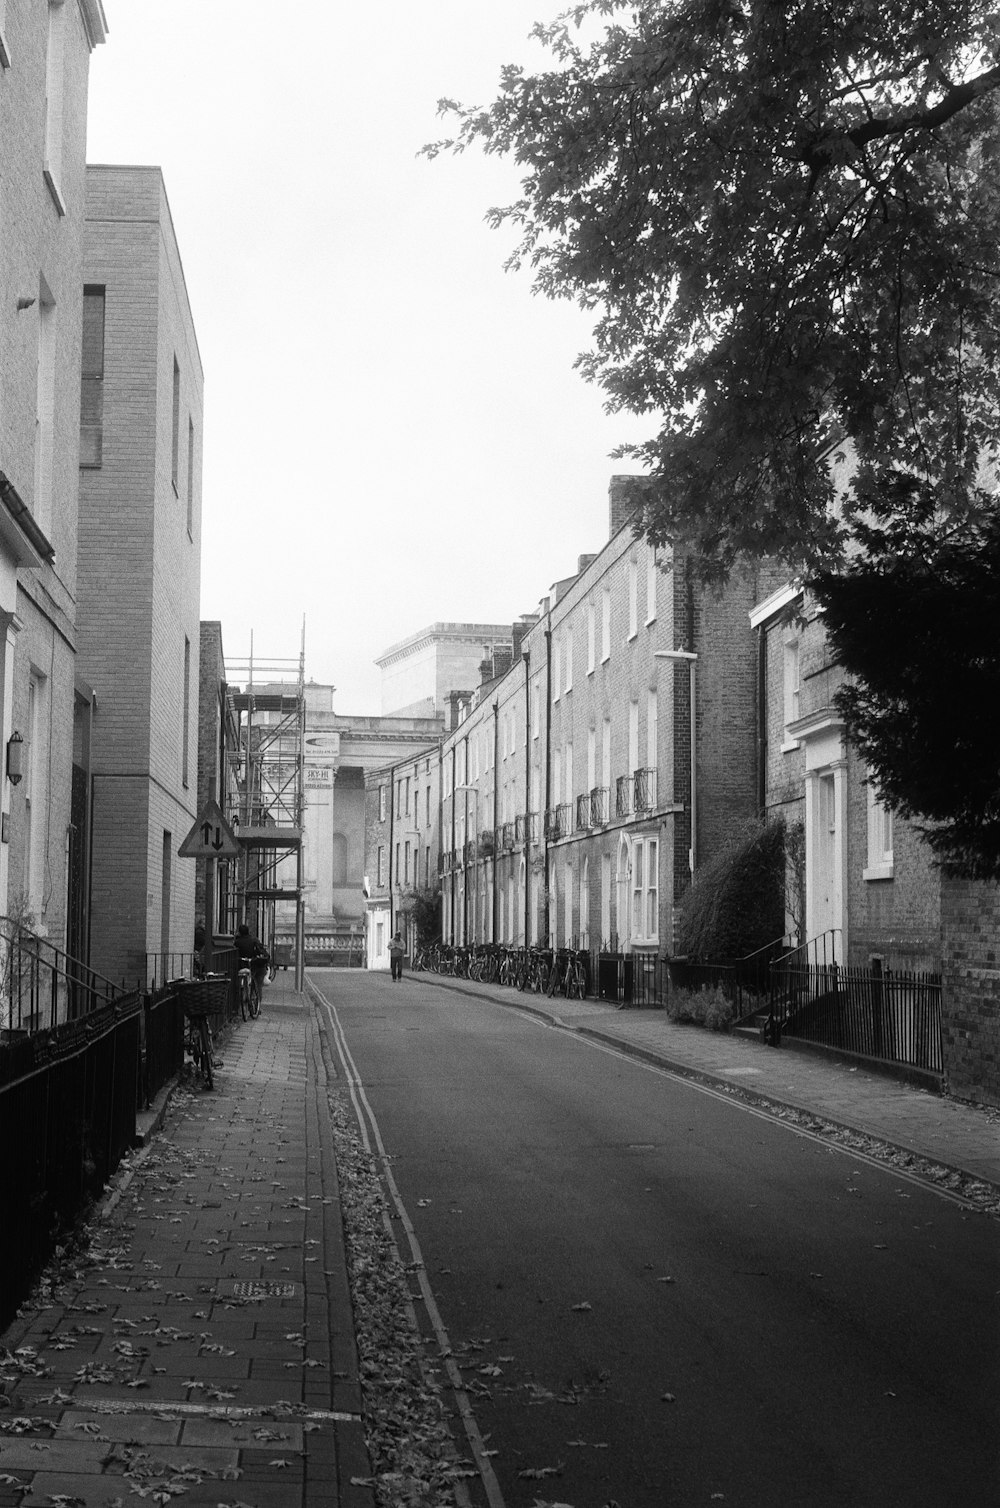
536 1473
581 1308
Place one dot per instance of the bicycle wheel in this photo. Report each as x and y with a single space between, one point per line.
254 1000
244 1000
575 982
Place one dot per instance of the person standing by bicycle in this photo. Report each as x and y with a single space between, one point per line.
253 955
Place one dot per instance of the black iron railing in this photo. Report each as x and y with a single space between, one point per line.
893 1015
41 986
68 1103
599 805
161 967
582 812
644 791
623 796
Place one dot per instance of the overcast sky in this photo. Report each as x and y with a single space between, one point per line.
394 432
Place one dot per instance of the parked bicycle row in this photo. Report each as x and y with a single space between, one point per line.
543 971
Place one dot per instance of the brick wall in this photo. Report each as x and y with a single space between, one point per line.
970 927
139 570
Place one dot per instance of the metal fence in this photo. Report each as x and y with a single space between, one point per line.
633 979
67 1114
888 1014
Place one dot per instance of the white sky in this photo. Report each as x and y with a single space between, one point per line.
394 432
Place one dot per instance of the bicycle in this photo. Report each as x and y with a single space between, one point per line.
198 1042
568 976
249 995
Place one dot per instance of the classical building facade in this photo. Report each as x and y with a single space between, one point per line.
421 672
139 568
340 752
44 64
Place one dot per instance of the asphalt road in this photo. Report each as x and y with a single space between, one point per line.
659 1297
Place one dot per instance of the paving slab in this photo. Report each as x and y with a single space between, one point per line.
211 1317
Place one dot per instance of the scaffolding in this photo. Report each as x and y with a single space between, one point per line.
266 794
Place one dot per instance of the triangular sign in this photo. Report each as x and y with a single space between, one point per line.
211 837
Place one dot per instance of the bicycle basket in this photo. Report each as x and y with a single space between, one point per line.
204 997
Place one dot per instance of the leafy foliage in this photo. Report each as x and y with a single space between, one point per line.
786 219
705 1007
914 619
425 910
735 904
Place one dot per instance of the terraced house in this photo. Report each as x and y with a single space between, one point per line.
45 54
584 785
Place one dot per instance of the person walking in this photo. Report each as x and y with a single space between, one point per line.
252 954
396 951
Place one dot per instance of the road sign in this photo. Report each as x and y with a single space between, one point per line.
211 837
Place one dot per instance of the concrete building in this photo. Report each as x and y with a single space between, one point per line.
139 568
44 64
421 672
340 752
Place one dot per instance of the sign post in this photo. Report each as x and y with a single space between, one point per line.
210 838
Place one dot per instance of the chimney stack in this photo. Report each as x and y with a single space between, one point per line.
624 499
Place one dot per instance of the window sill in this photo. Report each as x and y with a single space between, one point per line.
878 871
790 745
632 636
4 51
650 621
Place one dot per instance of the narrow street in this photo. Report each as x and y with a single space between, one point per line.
659 1296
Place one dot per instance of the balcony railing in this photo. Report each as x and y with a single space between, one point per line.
487 843
553 819
644 795
624 791
582 812
599 805
507 837
525 828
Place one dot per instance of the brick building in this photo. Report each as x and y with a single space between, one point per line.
139 568
44 64
402 847
870 893
583 787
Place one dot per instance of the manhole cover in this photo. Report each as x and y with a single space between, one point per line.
262 1288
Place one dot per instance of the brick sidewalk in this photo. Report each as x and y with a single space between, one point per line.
933 1126
207 1347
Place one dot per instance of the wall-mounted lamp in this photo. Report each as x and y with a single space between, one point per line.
15 758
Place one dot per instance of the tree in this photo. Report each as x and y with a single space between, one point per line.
785 216
736 902
914 617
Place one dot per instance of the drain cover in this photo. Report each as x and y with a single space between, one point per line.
261 1288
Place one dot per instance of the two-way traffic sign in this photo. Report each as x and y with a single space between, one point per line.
211 837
